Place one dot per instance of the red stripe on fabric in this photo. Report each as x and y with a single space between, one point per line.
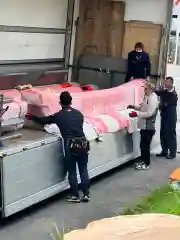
100 127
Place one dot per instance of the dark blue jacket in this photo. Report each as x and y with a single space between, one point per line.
168 105
139 65
69 121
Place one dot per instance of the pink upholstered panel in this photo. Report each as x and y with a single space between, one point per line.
17 109
12 93
58 88
43 101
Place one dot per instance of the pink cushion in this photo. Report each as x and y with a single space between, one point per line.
58 88
17 109
44 101
12 93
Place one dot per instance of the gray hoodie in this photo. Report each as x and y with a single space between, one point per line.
147 112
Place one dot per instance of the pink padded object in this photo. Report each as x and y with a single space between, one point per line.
58 88
16 110
12 93
98 125
43 101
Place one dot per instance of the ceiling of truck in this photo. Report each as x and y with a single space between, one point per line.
32 29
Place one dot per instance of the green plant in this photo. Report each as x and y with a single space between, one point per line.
162 200
57 235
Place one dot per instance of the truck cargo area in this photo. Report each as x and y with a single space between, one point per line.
49 42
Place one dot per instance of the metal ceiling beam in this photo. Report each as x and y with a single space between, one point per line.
24 29
68 36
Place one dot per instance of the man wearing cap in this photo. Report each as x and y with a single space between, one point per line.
168 111
70 123
146 123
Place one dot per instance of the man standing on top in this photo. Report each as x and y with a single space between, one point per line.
168 110
70 123
139 65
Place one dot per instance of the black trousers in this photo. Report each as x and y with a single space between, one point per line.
168 136
145 145
72 161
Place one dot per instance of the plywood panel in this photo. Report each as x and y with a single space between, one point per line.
148 33
116 28
100 28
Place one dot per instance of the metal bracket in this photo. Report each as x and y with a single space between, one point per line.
68 36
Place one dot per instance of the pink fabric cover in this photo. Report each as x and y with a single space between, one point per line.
12 93
92 104
44 101
18 108
58 88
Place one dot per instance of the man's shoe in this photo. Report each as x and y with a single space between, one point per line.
73 199
170 156
142 167
162 154
85 198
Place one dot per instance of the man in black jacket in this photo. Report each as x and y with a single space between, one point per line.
70 123
168 111
139 65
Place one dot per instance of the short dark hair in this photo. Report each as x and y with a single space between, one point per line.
65 98
171 79
139 45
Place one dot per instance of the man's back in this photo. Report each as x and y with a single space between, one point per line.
70 122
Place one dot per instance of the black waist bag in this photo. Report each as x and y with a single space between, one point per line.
79 146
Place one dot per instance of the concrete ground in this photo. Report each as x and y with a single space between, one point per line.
110 195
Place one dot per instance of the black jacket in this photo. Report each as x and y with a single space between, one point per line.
69 121
139 65
168 104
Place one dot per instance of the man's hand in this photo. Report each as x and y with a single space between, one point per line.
130 107
133 114
29 116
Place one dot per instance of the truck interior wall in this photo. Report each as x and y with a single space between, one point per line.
43 15
24 46
134 11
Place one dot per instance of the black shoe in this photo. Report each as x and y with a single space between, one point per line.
85 198
73 199
170 157
162 154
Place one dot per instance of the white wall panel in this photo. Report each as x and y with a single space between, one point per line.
146 10
23 46
34 13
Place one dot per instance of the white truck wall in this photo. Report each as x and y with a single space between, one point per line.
147 10
34 13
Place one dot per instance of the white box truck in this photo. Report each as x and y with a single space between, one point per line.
41 38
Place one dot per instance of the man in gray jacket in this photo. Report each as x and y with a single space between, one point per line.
146 114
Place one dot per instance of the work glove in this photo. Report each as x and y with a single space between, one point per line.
29 116
130 107
148 78
133 114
